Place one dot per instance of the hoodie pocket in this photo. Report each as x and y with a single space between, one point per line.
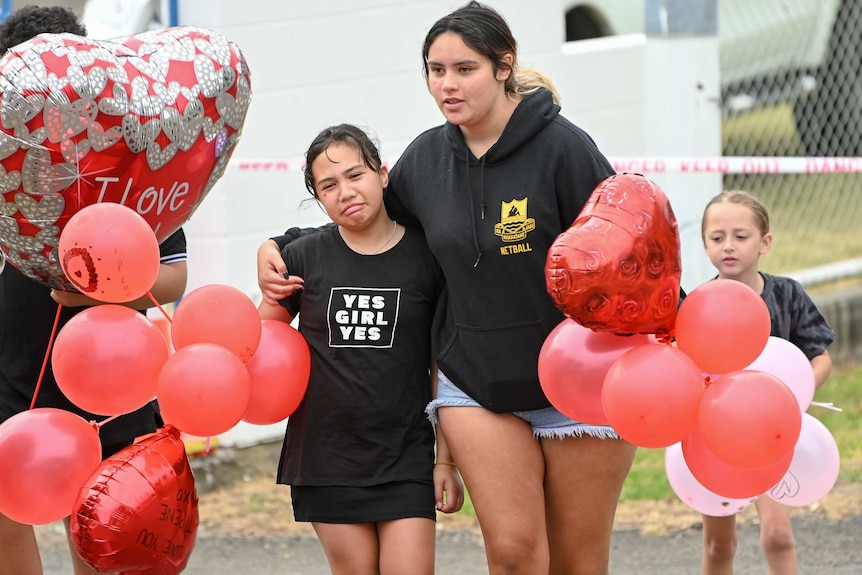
497 365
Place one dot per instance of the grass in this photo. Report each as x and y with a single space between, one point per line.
648 481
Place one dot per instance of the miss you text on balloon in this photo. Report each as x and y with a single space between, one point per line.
151 199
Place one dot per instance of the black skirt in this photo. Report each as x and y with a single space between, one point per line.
386 502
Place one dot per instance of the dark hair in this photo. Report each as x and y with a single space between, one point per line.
487 32
30 21
345 134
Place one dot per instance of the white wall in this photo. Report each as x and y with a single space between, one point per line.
315 64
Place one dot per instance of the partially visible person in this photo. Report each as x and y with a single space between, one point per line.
492 188
27 313
735 231
359 451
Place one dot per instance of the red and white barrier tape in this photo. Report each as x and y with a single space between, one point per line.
648 165
738 165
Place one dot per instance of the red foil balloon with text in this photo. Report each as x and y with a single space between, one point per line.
138 513
148 121
617 268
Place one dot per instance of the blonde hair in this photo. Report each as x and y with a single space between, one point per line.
528 80
747 199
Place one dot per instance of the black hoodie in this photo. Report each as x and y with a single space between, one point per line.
490 222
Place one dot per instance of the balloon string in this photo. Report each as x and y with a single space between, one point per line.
99 424
159 306
47 355
829 405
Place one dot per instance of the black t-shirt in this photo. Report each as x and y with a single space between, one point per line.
367 320
795 316
27 315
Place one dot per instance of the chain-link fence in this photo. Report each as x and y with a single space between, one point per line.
812 106
791 76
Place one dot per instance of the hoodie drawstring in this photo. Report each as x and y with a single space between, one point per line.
472 203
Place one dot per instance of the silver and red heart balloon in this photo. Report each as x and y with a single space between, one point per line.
148 121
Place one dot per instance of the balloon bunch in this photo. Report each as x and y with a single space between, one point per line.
107 148
726 399
226 364
137 512
753 435
229 366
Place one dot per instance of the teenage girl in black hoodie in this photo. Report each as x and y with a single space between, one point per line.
492 188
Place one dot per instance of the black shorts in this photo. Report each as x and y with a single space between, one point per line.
386 502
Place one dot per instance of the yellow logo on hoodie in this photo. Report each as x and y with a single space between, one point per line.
514 224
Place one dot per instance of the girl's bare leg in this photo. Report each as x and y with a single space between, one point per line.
584 477
503 469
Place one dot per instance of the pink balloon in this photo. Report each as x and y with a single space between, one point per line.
218 314
725 479
814 468
107 359
786 362
651 395
109 253
47 454
279 373
573 363
203 389
722 325
692 493
749 419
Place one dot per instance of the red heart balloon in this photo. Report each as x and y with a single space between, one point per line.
617 268
139 511
149 121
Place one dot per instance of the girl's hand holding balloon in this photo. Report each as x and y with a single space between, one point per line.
72 299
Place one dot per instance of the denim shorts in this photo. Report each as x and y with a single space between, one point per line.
547 422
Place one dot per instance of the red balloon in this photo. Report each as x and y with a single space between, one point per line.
107 359
149 122
617 268
138 512
729 480
651 395
109 252
572 367
203 389
47 454
218 314
749 419
279 373
723 325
